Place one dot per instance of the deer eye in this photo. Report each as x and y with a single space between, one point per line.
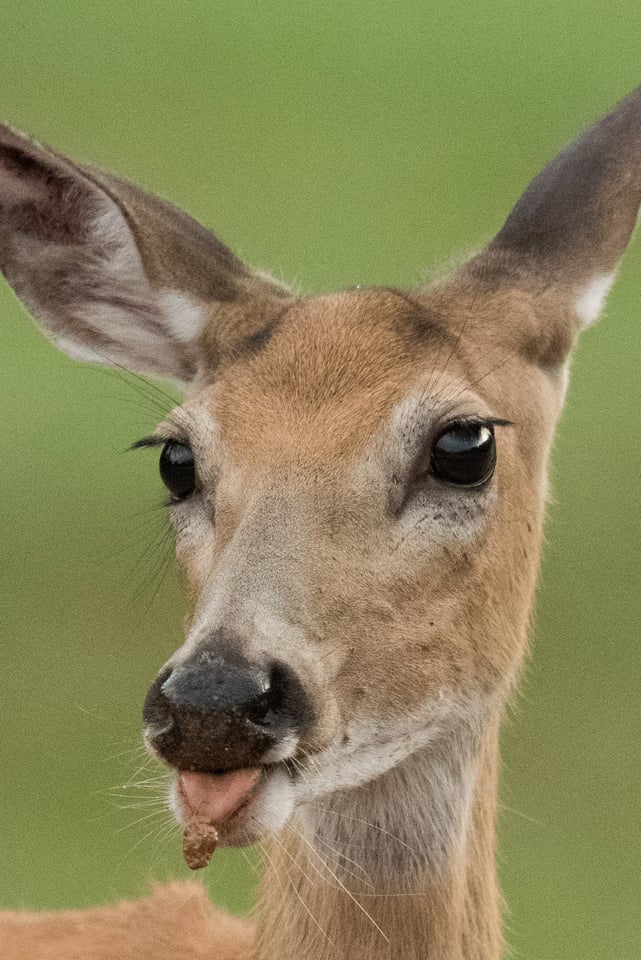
177 469
464 454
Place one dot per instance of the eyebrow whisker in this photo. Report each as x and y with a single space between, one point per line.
156 440
152 441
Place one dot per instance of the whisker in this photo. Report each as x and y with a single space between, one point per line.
367 823
165 836
475 383
431 386
148 816
146 836
148 784
143 766
524 816
293 859
340 857
97 716
139 803
276 873
346 889
133 751
303 904
153 394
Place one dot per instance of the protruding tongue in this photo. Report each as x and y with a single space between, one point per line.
213 797
208 800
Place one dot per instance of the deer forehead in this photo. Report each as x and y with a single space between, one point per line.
338 352
337 378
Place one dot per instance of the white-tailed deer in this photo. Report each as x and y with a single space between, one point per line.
357 485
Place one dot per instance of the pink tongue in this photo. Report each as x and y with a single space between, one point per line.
214 797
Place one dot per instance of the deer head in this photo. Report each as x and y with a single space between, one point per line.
357 480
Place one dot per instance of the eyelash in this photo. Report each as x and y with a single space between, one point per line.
157 440
473 421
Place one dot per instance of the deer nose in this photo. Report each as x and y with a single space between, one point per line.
220 712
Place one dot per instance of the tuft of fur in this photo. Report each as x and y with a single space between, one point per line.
177 922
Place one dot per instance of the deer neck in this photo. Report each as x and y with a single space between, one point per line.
401 867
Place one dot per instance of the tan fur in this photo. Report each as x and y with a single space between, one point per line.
177 921
318 535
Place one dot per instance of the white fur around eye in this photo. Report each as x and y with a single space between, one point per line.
591 300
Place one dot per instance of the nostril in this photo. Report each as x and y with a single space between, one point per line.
281 684
281 702
259 710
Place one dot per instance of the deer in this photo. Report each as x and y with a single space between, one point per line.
357 484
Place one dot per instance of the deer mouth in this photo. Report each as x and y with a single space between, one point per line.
217 797
228 808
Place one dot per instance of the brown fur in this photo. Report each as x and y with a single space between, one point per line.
318 535
177 922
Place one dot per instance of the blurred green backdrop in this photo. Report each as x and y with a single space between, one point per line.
334 143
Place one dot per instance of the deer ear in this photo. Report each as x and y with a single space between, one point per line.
115 274
565 236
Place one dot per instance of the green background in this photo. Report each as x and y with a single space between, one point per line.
334 143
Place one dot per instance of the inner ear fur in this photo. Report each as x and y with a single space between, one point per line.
115 274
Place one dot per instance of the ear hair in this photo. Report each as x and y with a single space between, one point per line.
562 241
116 274
576 218
590 302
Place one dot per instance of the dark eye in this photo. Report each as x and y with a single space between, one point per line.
177 469
464 454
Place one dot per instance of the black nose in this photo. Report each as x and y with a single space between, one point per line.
218 711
